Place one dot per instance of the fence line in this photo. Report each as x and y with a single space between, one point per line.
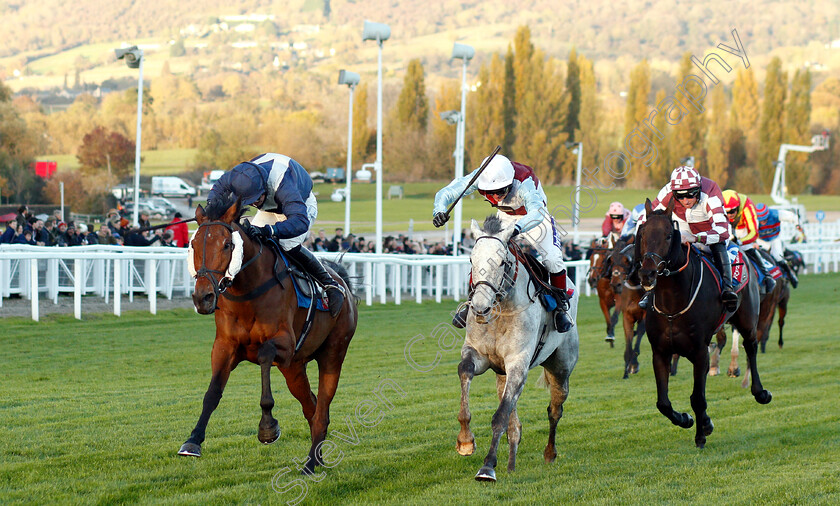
111 272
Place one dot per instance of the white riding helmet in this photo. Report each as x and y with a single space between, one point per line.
498 174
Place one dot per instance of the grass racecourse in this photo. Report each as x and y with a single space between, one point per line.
94 411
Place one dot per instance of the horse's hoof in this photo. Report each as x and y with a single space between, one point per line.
466 449
714 371
190 450
708 428
550 454
764 397
734 373
700 444
609 339
686 421
486 474
268 435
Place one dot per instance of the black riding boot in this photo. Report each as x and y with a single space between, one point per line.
769 282
562 322
335 293
459 321
794 281
721 259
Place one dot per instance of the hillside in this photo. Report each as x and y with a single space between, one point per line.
36 30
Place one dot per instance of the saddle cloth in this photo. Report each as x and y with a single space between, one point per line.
740 273
302 282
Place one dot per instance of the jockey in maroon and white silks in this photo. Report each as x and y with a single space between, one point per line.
705 220
515 191
701 218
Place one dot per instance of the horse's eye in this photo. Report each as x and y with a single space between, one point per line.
228 245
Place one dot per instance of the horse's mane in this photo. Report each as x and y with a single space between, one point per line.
217 208
492 225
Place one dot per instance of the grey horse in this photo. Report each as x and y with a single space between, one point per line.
510 332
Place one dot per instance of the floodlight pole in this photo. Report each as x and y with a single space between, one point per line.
137 147
459 157
349 172
378 166
577 148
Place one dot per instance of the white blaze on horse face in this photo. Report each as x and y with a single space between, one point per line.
236 256
191 256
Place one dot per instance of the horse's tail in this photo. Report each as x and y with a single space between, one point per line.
542 381
342 272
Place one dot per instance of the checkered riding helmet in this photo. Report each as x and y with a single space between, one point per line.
684 178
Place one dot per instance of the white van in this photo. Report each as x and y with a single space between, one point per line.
210 179
171 186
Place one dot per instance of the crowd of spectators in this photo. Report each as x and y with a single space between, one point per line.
400 244
25 228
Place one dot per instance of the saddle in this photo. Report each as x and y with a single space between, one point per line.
538 275
740 273
306 288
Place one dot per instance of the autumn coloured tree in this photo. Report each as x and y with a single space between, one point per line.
412 105
797 131
107 153
771 130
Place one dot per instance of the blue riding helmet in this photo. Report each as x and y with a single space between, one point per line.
248 182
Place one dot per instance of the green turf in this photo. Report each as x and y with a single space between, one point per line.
93 411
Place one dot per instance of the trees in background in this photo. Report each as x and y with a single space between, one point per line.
771 130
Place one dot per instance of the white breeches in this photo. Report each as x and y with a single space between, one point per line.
544 238
266 218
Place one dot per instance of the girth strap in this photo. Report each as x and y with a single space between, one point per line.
277 279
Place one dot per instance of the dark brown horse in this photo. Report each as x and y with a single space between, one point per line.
599 279
627 299
686 311
249 289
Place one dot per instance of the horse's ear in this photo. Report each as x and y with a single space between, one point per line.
670 208
476 230
648 207
232 213
200 215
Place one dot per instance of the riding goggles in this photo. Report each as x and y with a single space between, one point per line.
687 194
616 216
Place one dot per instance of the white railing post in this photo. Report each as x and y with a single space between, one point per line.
78 281
117 285
151 287
33 276
368 280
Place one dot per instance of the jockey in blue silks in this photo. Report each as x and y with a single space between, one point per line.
632 223
281 190
514 190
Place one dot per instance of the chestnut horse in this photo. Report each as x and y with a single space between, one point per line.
627 299
599 279
248 288
686 311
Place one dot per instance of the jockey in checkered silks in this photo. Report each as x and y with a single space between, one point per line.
514 190
699 214
281 190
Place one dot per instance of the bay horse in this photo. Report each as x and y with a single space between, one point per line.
627 298
248 288
685 313
599 279
510 332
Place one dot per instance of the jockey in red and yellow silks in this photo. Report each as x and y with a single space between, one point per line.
743 217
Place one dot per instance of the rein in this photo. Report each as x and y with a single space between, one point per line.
662 270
